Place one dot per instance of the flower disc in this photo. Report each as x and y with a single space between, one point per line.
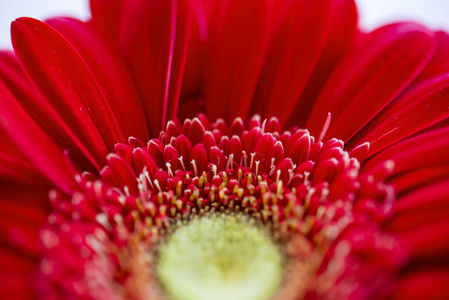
219 257
175 218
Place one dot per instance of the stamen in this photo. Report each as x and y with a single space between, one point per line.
278 175
325 127
257 168
156 183
230 163
181 160
195 170
126 189
170 173
252 160
244 158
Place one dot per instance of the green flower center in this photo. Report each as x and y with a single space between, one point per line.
220 257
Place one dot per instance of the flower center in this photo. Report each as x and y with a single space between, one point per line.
174 218
219 257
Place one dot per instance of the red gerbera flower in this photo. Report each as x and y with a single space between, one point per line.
179 149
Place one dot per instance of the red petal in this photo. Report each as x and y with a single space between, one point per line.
422 151
35 143
106 15
110 73
415 110
289 62
184 22
233 57
43 114
423 284
439 64
339 39
64 79
388 59
155 52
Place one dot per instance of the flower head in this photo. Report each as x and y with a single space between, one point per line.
224 149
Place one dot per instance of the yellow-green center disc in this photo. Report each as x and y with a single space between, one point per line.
220 257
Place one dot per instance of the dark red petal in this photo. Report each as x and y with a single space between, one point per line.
156 151
125 151
196 131
265 146
388 60
238 32
278 152
235 148
217 158
184 146
171 130
300 150
142 159
198 159
171 156
208 140
360 152
273 125
123 175
237 127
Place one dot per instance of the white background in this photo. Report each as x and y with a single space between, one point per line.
373 13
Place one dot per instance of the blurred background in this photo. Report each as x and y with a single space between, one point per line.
373 13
